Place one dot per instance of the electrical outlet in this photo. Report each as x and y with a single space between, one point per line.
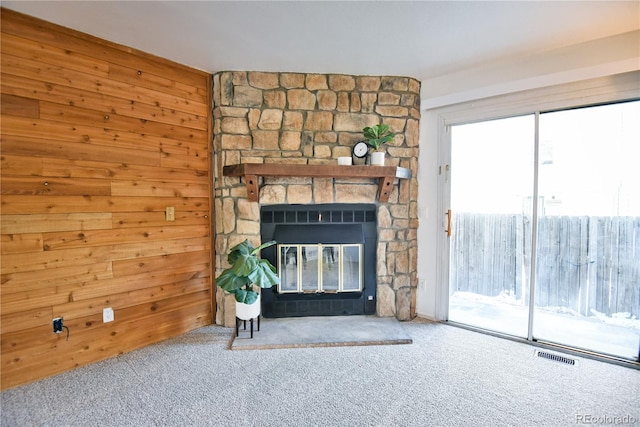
107 315
57 325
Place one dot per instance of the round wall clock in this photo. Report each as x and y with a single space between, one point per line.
360 149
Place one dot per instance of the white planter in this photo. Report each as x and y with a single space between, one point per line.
377 158
248 311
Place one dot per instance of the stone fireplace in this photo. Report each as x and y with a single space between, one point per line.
312 119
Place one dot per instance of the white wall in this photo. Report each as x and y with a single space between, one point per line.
599 58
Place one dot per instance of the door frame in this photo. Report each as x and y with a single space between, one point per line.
620 87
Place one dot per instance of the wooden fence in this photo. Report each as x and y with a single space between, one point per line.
584 263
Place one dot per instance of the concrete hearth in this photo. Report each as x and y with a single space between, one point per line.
323 332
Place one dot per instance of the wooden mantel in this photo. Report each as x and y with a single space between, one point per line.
251 171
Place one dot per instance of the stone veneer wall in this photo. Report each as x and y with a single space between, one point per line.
265 117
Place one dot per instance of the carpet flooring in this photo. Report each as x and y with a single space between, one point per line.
448 376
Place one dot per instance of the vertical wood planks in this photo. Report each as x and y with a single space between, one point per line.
584 264
97 140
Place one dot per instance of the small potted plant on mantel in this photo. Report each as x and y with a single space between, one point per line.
375 137
246 272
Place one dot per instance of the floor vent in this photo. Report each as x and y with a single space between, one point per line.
555 357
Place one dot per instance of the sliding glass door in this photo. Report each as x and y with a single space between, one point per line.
491 193
588 247
572 212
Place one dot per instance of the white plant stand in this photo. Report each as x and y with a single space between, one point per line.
248 312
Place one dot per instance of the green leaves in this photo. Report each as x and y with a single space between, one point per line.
378 135
376 131
261 247
231 282
244 265
264 275
244 248
246 297
246 270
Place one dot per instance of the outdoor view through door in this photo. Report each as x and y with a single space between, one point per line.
564 228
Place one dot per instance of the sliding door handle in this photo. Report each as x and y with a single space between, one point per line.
448 230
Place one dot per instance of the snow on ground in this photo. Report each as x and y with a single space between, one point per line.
617 335
625 319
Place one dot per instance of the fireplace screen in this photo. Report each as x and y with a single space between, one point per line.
320 268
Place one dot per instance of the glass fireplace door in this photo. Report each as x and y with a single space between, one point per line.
309 279
320 268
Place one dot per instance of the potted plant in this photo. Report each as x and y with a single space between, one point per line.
246 272
375 137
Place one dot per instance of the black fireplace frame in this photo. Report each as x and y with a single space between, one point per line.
364 215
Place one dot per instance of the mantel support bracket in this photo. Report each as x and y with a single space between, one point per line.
251 173
385 186
252 187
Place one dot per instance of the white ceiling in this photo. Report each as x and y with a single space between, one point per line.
423 39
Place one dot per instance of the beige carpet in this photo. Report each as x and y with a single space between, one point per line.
326 331
447 377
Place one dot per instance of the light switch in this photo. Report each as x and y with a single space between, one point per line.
170 213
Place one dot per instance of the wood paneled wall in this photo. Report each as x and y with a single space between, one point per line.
97 140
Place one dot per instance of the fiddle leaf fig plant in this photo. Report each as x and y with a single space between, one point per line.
378 135
246 271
